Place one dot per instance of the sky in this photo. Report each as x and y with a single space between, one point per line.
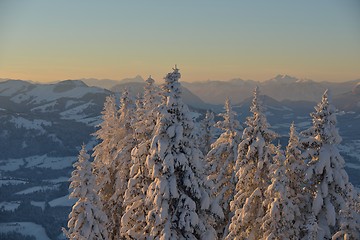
48 40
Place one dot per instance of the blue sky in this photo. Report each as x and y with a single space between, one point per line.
45 40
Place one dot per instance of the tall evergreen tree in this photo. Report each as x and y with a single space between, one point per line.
103 152
120 164
295 171
177 195
254 158
207 130
326 175
86 220
311 227
349 218
133 221
221 163
282 212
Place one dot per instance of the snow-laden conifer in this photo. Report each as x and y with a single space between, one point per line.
295 165
295 171
207 132
221 163
349 218
133 221
120 164
282 212
177 195
86 220
254 158
104 151
326 175
311 227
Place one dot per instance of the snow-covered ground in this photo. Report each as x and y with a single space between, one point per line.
42 161
76 113
38 204
11 164
91 121
58 180
36 124
37 189
49 162
10 206
353 150
49 107
25 228
11 182
63 202
46 92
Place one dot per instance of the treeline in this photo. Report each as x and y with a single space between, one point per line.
154 176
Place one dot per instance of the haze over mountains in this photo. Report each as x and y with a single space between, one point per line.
280 87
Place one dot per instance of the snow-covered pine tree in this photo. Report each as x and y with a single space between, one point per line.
311 227
86 220
177 195
295 171
254 158
103 152
133 221
150 99
207 132
221 164
281 214
120 165
349 218
326 175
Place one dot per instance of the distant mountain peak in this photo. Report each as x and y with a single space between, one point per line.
137 78
356 89
75 83
284 78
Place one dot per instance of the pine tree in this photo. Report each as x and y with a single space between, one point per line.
207 130
252 176
326 175
295 171
282 212
103 152
120 164
177 195
349 218
86 220
221 161
133 221
311 228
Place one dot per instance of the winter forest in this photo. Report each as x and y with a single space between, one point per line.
154 174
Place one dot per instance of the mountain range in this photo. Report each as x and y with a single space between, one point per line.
280 87
50 112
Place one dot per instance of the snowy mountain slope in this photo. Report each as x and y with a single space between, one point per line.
25 228
21 91
38 119
349 101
